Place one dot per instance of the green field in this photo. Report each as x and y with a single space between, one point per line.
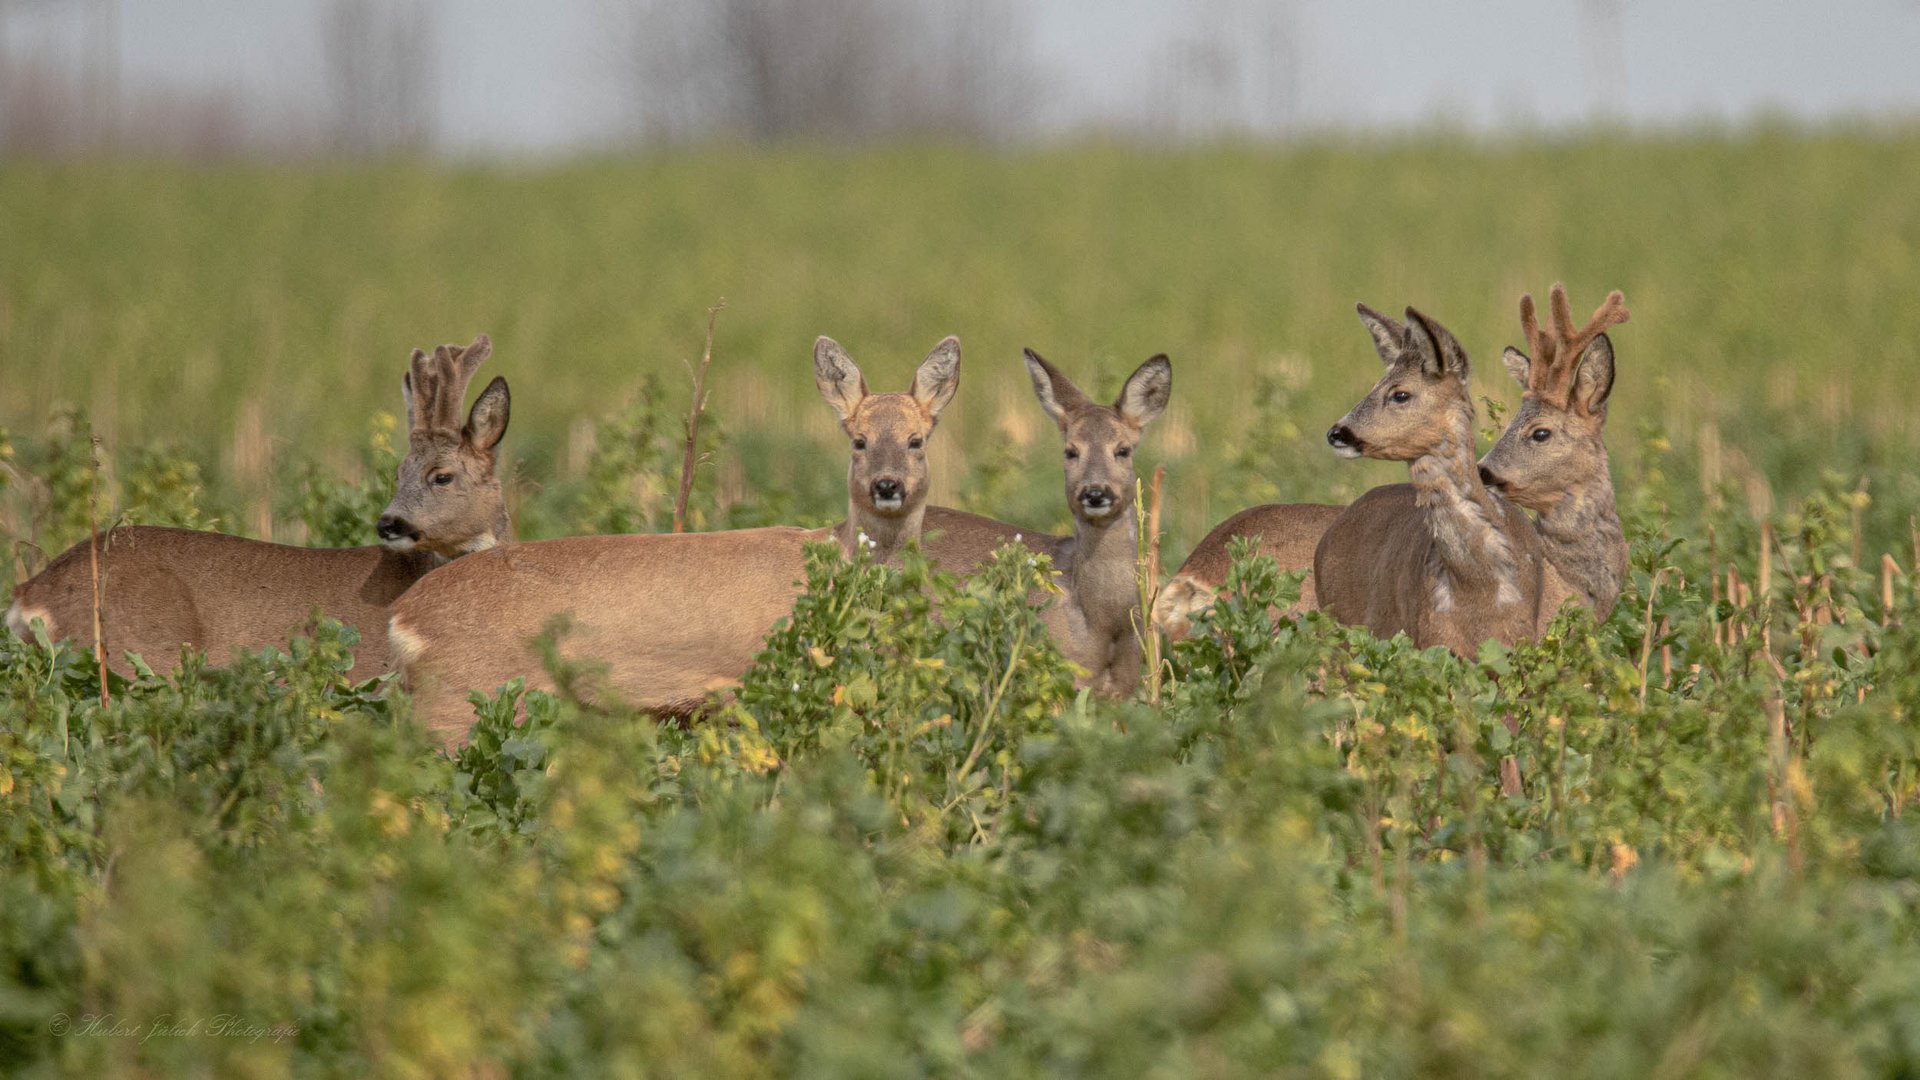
1770 278
909 848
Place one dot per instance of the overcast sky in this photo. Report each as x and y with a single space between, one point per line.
527 76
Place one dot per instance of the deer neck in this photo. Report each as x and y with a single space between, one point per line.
885 536
1582 537
1466 521
1100 564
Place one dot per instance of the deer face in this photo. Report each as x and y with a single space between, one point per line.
1555 443
1100 439
447 499
1415 407
887 433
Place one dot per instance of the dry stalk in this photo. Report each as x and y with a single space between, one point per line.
694 413
93 558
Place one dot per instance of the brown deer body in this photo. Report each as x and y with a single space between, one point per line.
1289 532
167 588
1552 458
673 616
1443 559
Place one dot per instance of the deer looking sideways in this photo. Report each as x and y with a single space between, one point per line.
166 588
1552 459
674 616
1444 558
1096 621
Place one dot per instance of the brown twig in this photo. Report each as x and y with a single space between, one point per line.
693 421
93 557
1149 581
1646 640
1888 568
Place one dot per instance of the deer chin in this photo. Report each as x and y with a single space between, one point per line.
891 505
401 544
1348 451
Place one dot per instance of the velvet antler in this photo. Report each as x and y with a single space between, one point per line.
1556 353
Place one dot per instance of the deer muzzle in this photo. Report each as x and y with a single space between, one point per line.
1344 441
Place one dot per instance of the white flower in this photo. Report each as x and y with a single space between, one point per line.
796 688
1016 538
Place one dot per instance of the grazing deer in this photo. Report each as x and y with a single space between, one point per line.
1552 459
164 588
1096 621
1444 559
675 616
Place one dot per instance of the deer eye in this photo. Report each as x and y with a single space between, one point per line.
915 443
1541 434
1072 454
1125 451
441 479
859 443
1399 397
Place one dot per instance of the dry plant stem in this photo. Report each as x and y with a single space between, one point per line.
693 421
1150 586
1888 568
93 558
1646 640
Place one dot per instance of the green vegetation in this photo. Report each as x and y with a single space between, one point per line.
1675 843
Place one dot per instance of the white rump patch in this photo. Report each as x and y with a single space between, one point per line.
407 646
20 621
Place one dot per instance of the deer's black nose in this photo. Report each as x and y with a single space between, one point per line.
1487 477
1098 497
395 527
1340 437
886 489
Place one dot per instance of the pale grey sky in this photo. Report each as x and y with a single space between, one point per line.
536 77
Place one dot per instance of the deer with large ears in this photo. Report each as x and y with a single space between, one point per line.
1096 621
1444 559
674 617
164 588
1552 459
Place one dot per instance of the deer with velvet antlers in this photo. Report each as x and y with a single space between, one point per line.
164 588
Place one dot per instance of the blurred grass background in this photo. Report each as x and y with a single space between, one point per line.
254 316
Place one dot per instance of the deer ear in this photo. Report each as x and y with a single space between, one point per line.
487 422
1518 365
1440 352
1145 395
1056 392
1389 337
838 377
1593 378
938 377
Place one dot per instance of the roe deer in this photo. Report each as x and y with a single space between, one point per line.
1552 459
164 588
675 616
1096 622
1289 532
1444 559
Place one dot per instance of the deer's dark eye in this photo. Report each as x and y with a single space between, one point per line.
1541 434
1072 454
859 443
1399 397
442 479
915 443
1125 451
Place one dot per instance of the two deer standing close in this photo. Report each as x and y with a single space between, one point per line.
1449 558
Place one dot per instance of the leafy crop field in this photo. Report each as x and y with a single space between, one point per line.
1671 844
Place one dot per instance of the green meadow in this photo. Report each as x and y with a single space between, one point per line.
253 317
1671 843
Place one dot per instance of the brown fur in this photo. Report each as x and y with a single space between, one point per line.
1552 458
166 588
1442 559
1289 532
674 617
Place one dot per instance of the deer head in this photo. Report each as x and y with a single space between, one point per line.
1418 404
888 432
1100 439
1555 440
448 498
